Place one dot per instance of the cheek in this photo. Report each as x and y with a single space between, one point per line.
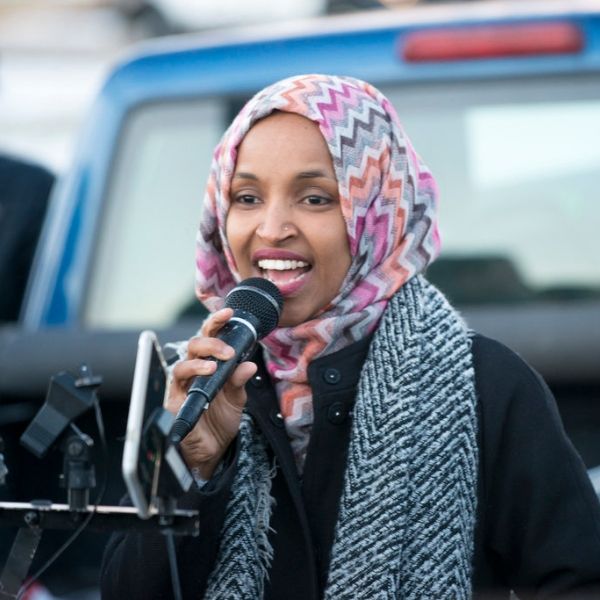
234 231
236 234
335 253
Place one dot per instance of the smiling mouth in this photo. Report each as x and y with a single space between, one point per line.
283 272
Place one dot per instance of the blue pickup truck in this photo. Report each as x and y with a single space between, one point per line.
503 102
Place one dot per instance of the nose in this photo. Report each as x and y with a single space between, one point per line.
276 224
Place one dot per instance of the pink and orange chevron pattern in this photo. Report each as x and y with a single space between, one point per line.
389 203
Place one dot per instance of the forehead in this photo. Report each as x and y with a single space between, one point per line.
284 134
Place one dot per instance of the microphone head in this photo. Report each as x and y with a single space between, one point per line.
259 297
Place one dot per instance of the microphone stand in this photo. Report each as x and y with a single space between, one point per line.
78 477
32 518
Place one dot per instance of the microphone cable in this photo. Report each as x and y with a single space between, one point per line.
85 522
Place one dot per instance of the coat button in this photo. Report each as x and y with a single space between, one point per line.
257 381
277 418
337 413
332 375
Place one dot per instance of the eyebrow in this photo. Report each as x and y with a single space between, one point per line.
312 175
301 175
242 175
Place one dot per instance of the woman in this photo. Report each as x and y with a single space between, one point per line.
375 447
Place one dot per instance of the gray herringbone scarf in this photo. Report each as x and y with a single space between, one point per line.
407 514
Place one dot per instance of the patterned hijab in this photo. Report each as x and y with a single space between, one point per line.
388 200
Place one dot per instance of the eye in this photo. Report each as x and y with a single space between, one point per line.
316 200
246 199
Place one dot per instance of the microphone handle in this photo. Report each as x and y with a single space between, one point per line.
241 336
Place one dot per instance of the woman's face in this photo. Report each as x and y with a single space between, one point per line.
285 222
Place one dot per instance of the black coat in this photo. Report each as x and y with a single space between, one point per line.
538 519
24 190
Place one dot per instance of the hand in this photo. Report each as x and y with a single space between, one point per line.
204 447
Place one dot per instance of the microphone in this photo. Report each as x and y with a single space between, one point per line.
257 305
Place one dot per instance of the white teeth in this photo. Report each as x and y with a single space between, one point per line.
269 264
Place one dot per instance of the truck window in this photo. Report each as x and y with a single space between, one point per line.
517 164
143 272
516 161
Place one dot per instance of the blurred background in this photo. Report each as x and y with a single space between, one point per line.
54 55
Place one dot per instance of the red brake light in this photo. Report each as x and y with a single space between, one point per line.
492 42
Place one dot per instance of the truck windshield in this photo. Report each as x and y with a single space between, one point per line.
517 163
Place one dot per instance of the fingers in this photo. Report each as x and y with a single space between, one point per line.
185 370
204 347
202 355
181 379
214 322
242 374
204 446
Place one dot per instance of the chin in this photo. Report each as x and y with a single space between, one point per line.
283 322
293 318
